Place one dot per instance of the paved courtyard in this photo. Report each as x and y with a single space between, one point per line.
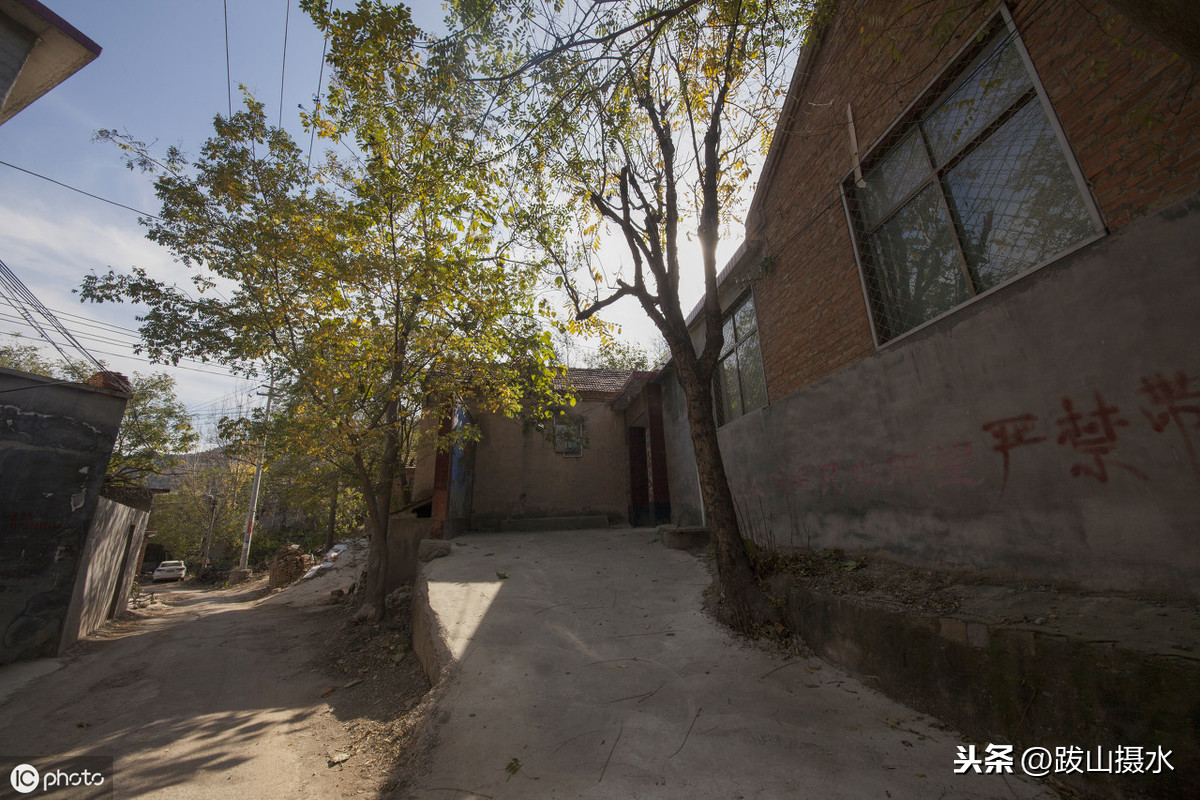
580 665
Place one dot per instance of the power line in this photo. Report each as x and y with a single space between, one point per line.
228 73
287 15
27 305
312 134
81 191
108 327
131 356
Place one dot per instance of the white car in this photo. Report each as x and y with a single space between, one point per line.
170 571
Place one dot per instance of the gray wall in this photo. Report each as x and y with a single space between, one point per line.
681 456
518 475
15 44
106 569
55 442
1068 372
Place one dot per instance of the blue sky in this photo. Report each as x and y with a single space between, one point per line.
161 77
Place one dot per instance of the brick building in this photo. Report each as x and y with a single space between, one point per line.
600 461
961 331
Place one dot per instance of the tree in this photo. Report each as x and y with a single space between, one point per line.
156 426
366 286
649 114
204 487
620 355
27 358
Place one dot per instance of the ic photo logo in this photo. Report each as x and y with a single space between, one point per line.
71 775
24 778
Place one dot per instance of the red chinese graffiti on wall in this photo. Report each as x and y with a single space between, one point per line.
1093 434
1090 430
1177 400
1011 433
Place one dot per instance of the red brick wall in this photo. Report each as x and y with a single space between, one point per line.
1130 110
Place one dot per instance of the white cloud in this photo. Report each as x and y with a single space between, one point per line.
51 246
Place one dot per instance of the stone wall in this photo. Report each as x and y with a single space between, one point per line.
55 442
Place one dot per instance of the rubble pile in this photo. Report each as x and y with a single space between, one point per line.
143 601
287 566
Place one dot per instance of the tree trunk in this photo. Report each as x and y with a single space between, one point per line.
375 590
378 499
333 503
747 602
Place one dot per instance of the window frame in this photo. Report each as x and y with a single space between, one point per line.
730 349
575 427
931 96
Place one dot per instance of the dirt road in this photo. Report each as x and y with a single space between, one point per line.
219 694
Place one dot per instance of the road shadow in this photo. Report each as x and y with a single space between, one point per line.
218 689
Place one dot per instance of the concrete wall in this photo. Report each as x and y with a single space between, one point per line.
426 457
518 474
16 42
107 568
55 442
681 457
1049 431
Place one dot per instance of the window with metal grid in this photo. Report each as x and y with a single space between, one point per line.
977 190
569 436
741 382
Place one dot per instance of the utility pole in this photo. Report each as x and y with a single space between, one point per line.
212 521
258 468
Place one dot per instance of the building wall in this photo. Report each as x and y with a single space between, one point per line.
681 456
426 457
1128 108
518 474
1049 431
106 570
15 44
55 442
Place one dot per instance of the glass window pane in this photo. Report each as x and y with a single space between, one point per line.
1016 200
992 84
892 178
916 269
744 319
728 336
731 398
754 381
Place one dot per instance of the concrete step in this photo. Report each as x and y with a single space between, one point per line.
574 523
1028 668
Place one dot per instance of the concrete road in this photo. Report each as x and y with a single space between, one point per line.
214 696
580 665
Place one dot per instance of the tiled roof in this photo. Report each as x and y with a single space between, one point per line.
593 381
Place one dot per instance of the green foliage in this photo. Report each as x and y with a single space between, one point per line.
619 355
371 285
155 428
645 117
201 484
27 358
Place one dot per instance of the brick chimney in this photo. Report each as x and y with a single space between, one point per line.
111 380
